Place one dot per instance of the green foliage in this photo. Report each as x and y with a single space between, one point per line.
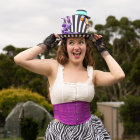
99 114
29 129
112 22
99 27
135 71
136 23
13 75
10 97
100 97
11 139
43 126
6 72
130 114
124 21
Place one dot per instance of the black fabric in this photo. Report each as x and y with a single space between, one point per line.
78 21
85 28
82 25
73 18
100 45
50 41
75 35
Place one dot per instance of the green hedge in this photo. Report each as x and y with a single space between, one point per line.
29 128
99 114
10 97
130 114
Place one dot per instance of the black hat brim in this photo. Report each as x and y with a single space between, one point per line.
75 35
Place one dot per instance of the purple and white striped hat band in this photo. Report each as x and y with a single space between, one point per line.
76 25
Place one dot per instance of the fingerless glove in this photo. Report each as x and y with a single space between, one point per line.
50 42
100 45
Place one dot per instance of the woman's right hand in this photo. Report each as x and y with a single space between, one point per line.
27 59
51 41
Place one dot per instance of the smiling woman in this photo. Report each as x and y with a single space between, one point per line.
76 49
63 56
72 77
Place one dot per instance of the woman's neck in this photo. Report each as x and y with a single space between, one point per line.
74 66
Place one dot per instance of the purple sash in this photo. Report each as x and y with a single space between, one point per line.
72 113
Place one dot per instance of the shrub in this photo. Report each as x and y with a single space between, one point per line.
29 129
10 97
99 114
130 114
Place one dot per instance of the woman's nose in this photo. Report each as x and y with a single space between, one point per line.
76 46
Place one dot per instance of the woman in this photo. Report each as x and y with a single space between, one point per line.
72 79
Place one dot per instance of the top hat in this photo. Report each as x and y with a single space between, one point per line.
76 25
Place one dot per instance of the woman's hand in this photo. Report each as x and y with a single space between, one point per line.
50 42
99 43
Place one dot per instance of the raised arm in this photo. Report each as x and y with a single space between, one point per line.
27 60
107 78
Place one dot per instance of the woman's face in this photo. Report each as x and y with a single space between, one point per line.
76 48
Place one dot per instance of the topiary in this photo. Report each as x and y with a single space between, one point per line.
10 97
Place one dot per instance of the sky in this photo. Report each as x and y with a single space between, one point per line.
26 23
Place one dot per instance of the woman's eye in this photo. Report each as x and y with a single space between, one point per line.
81 42
71 43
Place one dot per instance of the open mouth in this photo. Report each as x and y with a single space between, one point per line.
77 54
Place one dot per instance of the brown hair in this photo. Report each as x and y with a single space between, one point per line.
62 55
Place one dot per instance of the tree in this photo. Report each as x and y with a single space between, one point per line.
13 75
129 113
123 41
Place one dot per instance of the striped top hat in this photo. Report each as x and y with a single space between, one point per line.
76 25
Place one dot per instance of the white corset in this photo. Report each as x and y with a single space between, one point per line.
63 92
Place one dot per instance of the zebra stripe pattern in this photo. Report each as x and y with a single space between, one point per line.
93 129
78 26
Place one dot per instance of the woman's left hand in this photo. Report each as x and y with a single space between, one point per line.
99 43
96 37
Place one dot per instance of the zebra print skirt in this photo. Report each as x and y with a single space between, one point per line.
93 129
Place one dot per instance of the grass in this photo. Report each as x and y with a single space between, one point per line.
39 138
11 139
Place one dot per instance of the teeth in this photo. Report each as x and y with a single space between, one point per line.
76 53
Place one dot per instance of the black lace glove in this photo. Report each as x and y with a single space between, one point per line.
50 42
100 45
